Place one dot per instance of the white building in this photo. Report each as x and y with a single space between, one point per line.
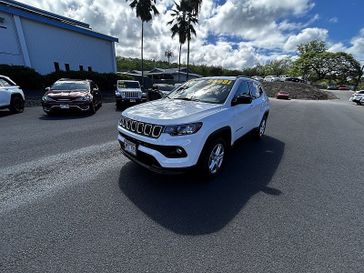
48 42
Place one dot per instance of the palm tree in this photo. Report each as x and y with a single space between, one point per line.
144 10
179 26
185 17
169 54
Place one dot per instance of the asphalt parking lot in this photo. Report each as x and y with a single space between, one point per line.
70 202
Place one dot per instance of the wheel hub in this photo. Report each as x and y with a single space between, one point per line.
216 158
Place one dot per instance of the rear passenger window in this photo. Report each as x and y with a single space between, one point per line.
243 89
255 90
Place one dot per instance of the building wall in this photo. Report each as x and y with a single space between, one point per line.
47 44
10 51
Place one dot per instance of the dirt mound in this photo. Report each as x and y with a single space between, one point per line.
296 90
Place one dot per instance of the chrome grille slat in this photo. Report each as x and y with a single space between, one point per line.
141 128
131 94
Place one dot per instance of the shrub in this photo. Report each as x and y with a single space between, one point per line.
25 77
105 81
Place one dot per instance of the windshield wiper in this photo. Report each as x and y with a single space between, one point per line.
187 99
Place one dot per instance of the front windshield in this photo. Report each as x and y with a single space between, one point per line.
70 86
204 90
128 85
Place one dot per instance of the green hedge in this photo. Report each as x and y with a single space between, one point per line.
25 77
28 78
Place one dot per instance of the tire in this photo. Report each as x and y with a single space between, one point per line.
259 132
17 104
119 106
92 109
212 158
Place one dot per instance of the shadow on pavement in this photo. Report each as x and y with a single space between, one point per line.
66 115
185 205
5 113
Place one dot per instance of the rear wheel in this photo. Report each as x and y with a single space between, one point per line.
212 158
17 104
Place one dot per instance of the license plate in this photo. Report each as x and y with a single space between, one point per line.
132 100
130 147
64 106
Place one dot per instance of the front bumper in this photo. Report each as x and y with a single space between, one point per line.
130 100
66 106
150 152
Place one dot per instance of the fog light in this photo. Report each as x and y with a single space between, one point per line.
179 151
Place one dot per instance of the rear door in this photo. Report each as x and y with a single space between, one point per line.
243 115
258 104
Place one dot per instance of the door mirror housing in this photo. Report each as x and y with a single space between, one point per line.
242 100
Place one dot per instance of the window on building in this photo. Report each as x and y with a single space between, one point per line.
81 67
90 69
56 66
67 66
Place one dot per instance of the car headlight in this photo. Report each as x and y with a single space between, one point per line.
117 93
47 98
83 98
184 129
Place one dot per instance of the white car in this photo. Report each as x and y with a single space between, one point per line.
11 96
357 97
272 79
195 125
128 92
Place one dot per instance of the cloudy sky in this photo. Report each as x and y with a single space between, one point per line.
231 33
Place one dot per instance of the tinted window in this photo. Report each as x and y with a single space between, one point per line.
204 90
255 91
69 86
122 84
4 83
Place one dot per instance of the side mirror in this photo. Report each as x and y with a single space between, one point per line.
242 100
47 89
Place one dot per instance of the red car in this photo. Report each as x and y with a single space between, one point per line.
344 87
282 95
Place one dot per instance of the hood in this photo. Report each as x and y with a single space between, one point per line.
169 111
66 94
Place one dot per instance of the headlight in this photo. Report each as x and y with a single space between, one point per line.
181 130
83 98
47 98
117 93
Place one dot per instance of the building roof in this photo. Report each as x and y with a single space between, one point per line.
45 17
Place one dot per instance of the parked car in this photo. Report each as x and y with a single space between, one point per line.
70 94
357 97
282 95
11 95
283 78
343 87
163 89
331 87
271 79
361 102
258 78
294 79
128 93
195 125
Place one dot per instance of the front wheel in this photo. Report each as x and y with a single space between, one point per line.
17 104
260 131
212 158
92 109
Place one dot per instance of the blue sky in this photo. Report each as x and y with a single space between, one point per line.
231 33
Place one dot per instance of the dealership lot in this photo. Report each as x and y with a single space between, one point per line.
70 202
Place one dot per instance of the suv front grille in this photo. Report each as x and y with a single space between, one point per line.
132 94
141 128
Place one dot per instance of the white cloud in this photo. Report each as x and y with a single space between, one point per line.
333 20
306 35
247 31
356 46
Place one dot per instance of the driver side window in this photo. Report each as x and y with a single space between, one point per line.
243 90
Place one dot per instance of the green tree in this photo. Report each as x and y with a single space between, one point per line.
144 10
316 63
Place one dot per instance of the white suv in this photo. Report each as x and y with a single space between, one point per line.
11 96
128 92
195 125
